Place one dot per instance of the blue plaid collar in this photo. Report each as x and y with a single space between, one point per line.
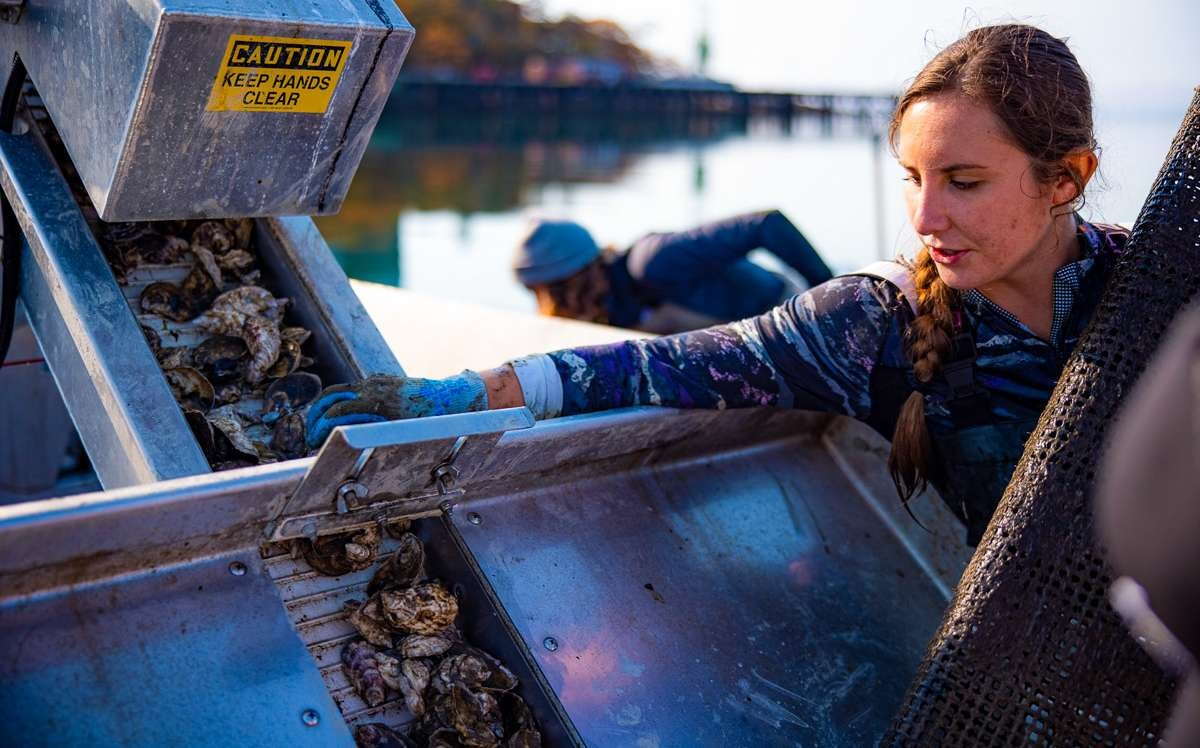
1067 281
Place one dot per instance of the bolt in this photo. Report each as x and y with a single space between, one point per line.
447 507
237 568
550 643
474 518
352 493
310 717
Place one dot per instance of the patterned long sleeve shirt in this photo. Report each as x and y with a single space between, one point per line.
821 349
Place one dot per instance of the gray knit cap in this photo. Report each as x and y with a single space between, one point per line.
552 251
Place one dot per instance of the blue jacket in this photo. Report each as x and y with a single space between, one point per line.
706 271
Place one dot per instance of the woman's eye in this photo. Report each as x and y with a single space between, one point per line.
960 185
910 179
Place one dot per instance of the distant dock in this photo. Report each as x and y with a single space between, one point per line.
632 100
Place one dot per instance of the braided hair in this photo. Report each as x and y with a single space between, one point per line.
1034 85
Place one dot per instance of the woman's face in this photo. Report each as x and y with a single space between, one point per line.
972 195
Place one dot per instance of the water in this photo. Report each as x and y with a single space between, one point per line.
438 203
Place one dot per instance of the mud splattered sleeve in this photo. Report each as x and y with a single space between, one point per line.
815 351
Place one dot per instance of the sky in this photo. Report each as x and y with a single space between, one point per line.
1141 56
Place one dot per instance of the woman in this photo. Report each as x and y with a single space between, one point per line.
996 137
665 282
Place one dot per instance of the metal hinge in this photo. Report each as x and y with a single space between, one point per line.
379 472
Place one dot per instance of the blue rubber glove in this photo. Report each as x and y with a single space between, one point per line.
387 398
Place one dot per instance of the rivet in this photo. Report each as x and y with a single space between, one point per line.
310 717
446 507
237 568
550 643
474 518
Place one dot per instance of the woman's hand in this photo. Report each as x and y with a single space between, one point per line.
390 398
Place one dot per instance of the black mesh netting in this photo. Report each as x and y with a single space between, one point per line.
1029 651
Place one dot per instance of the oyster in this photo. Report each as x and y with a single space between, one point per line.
237 261
362 670
200 287
226 421
475 716
379 735
242 229
214 236
526 737
444 738
335 555
389 669
290 394
152 339
404 568
423 609
298 335
174 357
397 527
208 263
149 247
413 682
287 438
251 301
475 669
166 300
288 360
191 388
418 645
202 430
368 619
262 338
519 724
228 394
219 356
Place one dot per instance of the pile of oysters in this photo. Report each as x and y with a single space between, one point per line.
458 694
235 366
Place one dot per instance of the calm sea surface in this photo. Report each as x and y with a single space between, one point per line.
439 202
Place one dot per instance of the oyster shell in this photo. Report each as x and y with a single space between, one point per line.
290 394
298 335
174 357
220 356
379 735
403 568
251 301
237 261
362 670
526 737
214 236
199 287
418 645
152 339
444 738
423 609
262 338
335 555
226 421
475 669
397 527
389 669
228 394
415 679
475 716
166 300
288 360
191 388
368 619
287 438
242 229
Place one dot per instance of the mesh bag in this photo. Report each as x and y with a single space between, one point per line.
1029 651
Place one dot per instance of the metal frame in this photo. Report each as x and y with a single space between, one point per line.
119 401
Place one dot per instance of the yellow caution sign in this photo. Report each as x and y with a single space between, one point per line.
278 74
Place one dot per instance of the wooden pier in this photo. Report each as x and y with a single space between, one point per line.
632 100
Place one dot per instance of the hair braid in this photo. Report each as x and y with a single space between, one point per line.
928 342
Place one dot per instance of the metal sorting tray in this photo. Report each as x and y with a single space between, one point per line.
656 578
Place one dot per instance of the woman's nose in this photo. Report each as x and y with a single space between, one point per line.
929 215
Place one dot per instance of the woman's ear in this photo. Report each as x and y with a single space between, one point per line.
1081 163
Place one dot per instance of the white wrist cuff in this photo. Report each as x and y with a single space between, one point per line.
541 385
